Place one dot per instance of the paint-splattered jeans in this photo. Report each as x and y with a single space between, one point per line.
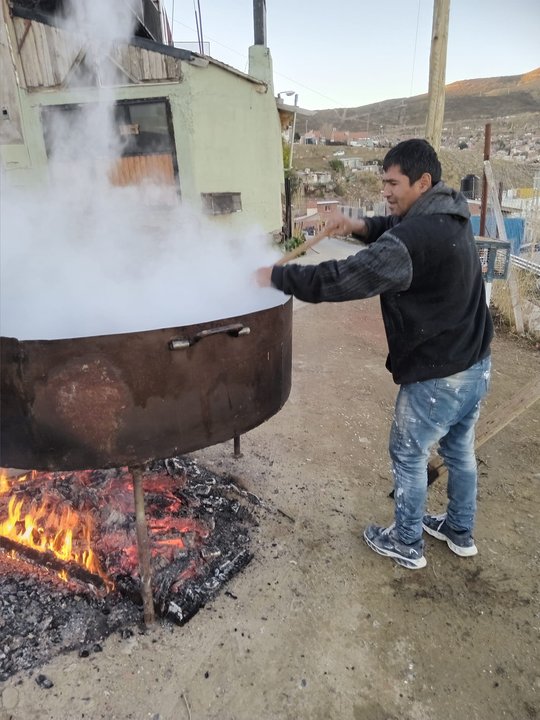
440 411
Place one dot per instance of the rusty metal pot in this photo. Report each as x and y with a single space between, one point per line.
114 400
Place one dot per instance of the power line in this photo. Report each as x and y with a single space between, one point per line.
246 62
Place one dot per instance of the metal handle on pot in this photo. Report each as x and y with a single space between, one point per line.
234 330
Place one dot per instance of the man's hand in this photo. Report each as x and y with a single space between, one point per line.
263 276
338 224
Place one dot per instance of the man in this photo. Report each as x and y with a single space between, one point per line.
422 261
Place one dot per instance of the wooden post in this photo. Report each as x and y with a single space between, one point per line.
143 546
437 72
483 202
512 284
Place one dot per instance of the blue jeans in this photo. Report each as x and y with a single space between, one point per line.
441 411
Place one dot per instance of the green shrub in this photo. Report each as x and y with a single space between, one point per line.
293 243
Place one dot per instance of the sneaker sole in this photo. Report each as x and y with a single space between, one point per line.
409 564
456 549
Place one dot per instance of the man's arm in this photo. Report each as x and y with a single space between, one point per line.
384 266
367 230
339 224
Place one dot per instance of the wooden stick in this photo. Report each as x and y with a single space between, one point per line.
143 546
302 248
495 421
491 424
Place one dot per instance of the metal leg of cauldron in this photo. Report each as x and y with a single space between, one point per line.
237 452
143 546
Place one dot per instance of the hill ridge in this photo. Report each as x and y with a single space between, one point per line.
476 99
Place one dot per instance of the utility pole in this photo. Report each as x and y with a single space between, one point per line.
293 130
437 72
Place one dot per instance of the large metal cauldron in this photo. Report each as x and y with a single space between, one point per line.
114 400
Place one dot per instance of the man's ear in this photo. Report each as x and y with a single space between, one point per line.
425 182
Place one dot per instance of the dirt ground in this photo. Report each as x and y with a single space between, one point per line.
318 627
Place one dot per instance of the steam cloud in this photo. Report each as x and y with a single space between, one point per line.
81 257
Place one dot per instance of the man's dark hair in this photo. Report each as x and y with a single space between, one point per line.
414 157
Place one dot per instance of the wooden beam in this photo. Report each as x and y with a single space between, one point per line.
27 26
77 60
123 70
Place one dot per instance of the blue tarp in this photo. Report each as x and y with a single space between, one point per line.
515 229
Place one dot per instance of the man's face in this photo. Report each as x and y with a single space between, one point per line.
399 193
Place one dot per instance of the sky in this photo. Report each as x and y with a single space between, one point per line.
348 53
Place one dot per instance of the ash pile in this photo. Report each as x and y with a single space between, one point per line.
199 528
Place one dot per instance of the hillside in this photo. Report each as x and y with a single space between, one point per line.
364 188
467 101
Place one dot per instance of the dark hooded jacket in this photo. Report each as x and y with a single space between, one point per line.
426 269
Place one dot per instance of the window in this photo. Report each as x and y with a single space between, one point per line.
143 127
222 203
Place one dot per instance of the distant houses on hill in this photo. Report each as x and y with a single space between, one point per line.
339 137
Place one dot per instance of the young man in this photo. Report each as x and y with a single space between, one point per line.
422 261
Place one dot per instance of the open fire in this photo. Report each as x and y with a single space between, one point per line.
48 528
73 534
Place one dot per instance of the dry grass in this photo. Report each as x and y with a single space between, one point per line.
528 286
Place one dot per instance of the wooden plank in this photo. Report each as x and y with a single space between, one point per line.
162 67
55 55
125 73
511 280
135 169
69 54
76 61
124 56
171 72
135 63
491 424
495 421
30 61
145 65
40 54
45 38
27 24
155 66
